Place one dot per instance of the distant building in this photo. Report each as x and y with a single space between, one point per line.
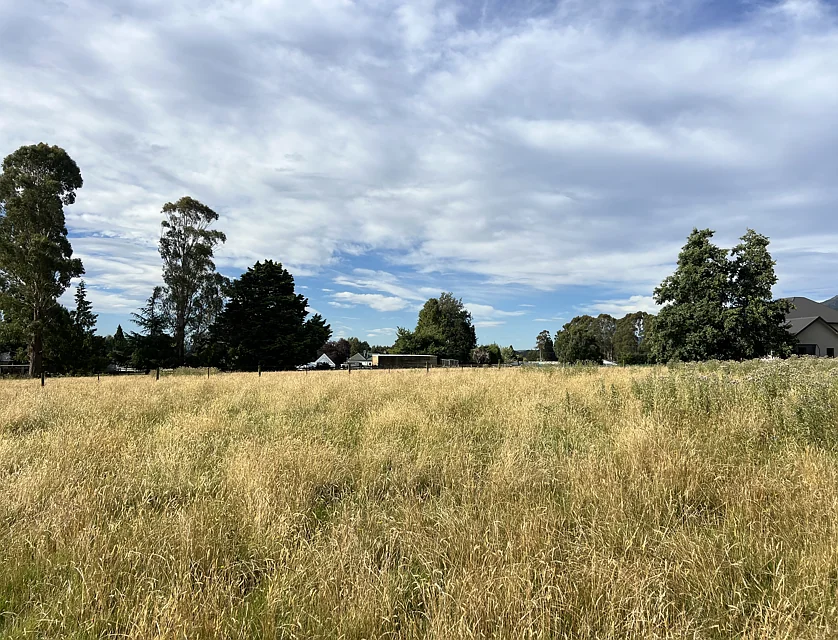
357 361
324 359
815 326
403 361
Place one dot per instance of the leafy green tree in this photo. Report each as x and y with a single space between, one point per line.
606 327
444 329
264 322
356 345
721 308
757 322
192 293
630 343
338 351
494 353
544 343
62 344
153 347
36 263
578 341
508 354
378 348
693 325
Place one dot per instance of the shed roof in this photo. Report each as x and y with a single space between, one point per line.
405 355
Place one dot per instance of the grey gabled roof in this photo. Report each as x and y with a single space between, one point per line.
358 357
806 308
796 325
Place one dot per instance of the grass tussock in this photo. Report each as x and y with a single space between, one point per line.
697 501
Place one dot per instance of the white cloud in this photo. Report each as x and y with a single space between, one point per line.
485 315
622 307
542 148
373 300
386 332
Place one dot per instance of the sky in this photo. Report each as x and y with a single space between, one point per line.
539 159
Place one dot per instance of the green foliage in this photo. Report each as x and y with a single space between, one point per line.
717 307
630 338
545 346
264 322
578 341
494 352
508 354
356 345
120 349
84 328
153 347
756 322
339 351
36 263
193 288
444 329
605 327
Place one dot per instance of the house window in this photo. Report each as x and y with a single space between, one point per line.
807 349
830 352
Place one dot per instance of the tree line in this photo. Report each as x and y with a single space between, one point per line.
717 304
197 317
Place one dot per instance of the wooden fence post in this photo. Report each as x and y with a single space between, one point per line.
259 369
43 378
158 373
208 373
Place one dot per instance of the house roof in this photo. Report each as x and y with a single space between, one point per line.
796 325
326 359
806 308
358 357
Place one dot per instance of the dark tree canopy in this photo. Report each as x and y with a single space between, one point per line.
630 338
544 344
193 288
578 341
152 347
444 329
84 328
716 307
691 325
36 263
757 322
83 316
264 322
338 351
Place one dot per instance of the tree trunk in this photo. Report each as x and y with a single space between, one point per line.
180 344
36 353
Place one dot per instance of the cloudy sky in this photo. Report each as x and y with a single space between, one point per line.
538 158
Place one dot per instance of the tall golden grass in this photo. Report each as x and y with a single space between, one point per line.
695 502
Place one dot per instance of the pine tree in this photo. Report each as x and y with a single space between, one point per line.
83 317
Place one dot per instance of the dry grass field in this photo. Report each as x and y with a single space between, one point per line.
694 502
